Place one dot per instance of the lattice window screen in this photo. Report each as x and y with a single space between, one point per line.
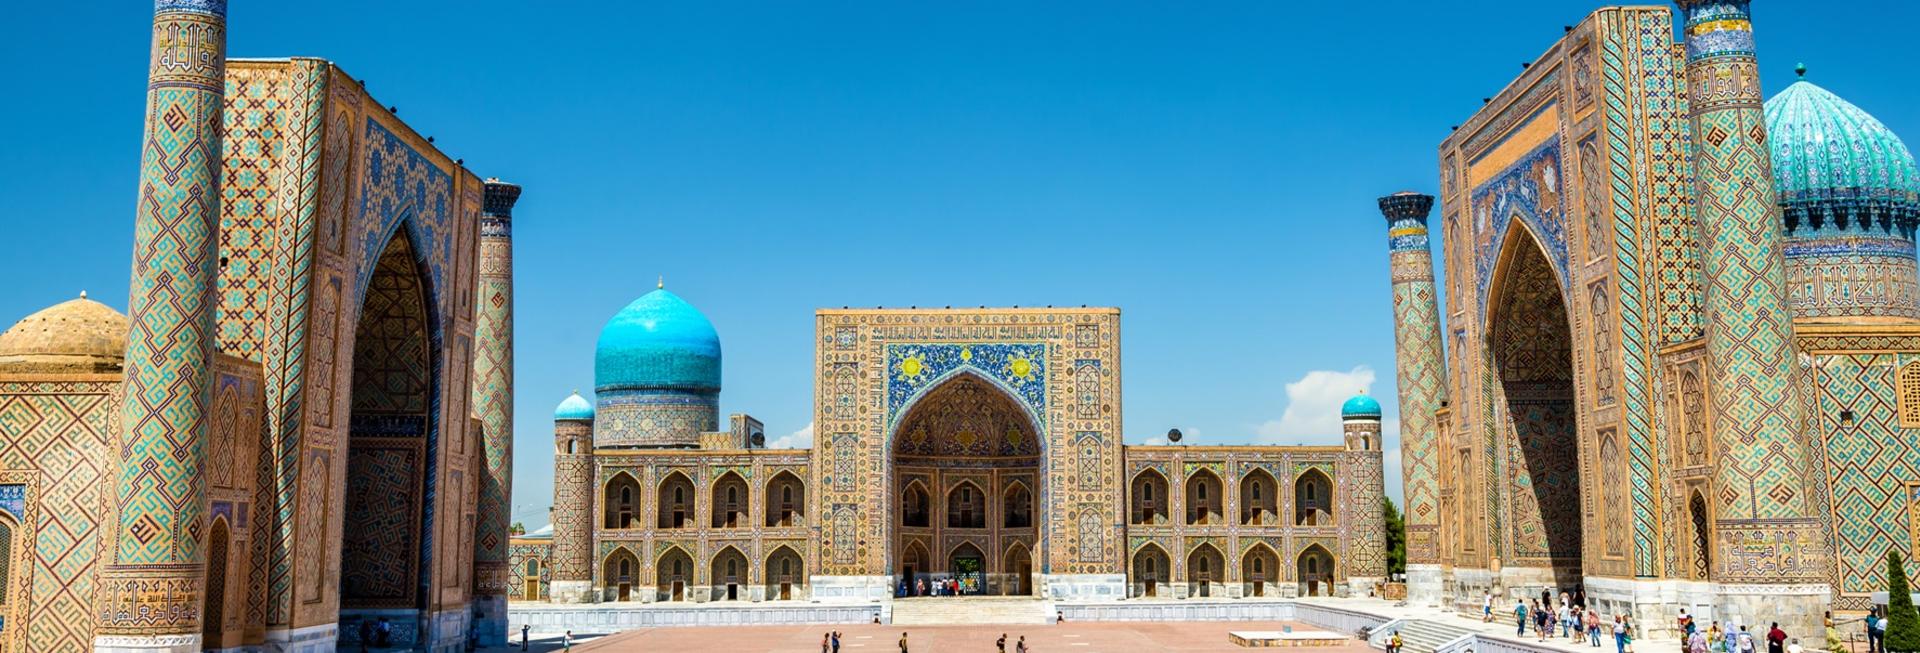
1909 384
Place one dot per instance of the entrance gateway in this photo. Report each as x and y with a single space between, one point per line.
973 448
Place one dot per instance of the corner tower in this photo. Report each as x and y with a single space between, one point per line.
572 502
1364 478
1420 379
1769 553
656 374
493 404
152 584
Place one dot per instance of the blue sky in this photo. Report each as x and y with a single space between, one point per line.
1209 168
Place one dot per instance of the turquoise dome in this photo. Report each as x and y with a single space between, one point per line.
574 407
1360 406
658 342
1833 162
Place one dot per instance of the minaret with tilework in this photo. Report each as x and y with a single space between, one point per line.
1363 477
1769 557
572 565
150 589
1420 374
493 403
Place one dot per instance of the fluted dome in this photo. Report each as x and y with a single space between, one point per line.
1832 162
1360 406
74 336
574 407
658 342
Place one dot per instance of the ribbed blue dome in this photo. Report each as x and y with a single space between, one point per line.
574 407
1360 407
1833 161
658 342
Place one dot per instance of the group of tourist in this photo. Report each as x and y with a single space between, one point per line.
939 587
1576 622
1736 638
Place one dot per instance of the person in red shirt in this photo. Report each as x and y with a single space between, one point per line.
1776 639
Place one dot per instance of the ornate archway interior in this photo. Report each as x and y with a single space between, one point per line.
1532 349
389 457
977 454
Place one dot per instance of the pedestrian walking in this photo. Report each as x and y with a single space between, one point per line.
903 643
1776 639
1001 644
1565 617
1619 634
826 642
1746 641
836 641
1486 608
1684 624
1519 618
566 642
1697 642
1542 621
366 635
1593 627
1876 632
524 628
1021 646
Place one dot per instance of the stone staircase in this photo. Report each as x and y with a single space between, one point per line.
1423 636
971 610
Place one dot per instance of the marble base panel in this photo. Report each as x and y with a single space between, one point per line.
571 591
851 588
146 644
324 638
1178 610
616 617
1424 585
1083 587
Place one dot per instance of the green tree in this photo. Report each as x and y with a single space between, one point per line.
1903 624
517 529
1396 537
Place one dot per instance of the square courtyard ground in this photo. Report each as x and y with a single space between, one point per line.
1090 637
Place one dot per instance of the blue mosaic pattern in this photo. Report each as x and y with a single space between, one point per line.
1020 369
1532 190
13 499
1718 28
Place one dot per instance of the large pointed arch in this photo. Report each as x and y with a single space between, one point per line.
673 573
393 429
1530 346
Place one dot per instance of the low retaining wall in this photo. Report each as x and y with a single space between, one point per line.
1339 620
1178 611
604 619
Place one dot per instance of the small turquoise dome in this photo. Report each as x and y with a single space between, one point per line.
1360 406
1834 162
658 342
574 407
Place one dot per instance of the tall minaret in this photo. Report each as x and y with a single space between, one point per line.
572 579
151 586
1762 508
1421 372
493 404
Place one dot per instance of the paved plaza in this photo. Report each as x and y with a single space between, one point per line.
1102 637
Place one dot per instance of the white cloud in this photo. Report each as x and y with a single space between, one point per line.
1313 407
801 439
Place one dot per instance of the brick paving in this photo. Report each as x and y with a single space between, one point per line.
1090 637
